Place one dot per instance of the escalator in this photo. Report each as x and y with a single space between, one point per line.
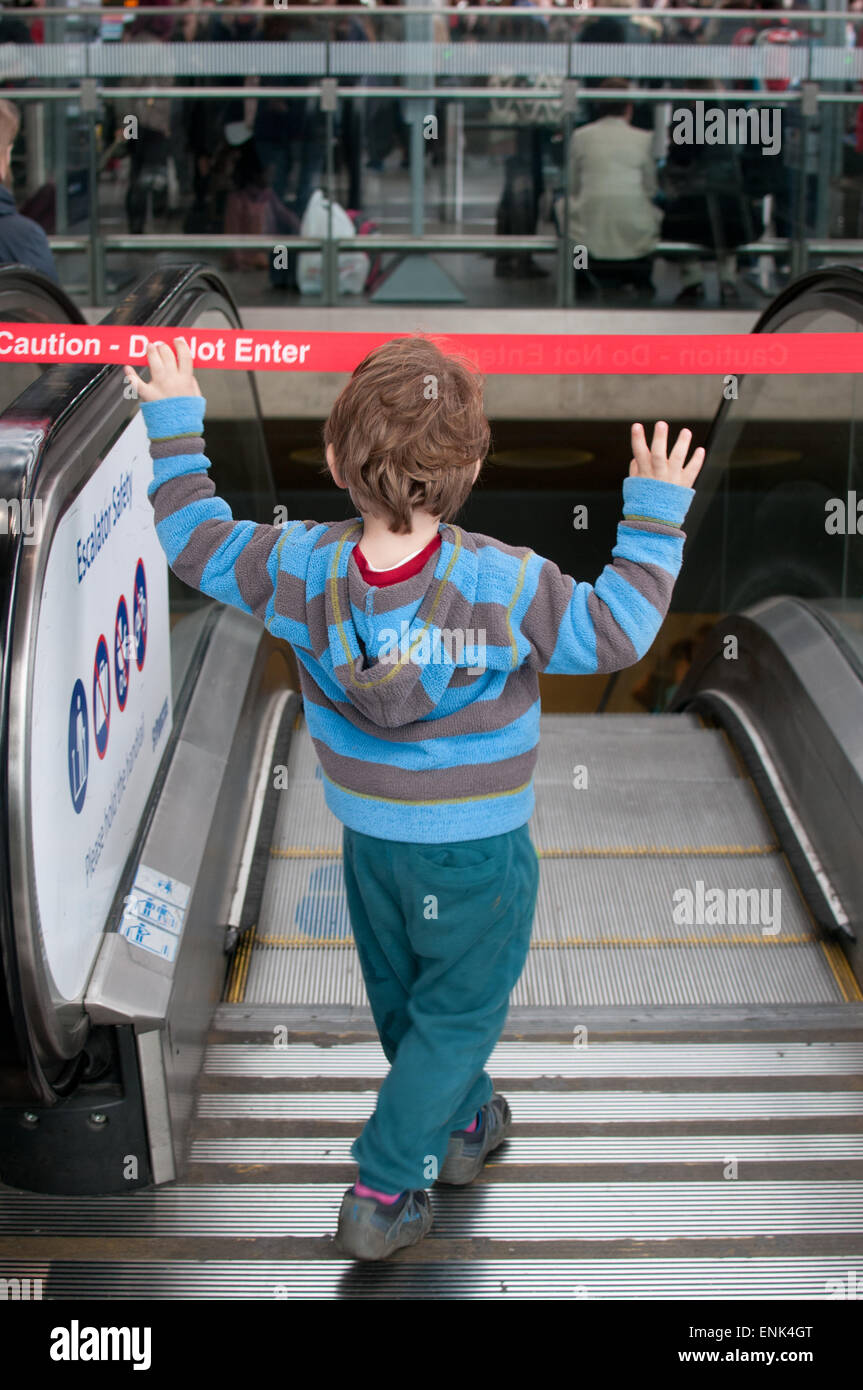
683 1051
28 296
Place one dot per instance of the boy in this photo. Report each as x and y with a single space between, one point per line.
418 646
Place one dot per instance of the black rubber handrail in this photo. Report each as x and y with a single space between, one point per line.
21 285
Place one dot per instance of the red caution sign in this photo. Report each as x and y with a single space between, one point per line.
528 354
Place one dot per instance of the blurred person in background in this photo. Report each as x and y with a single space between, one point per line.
289 132
206 121
22 241
613 185
386 126
532 122
149 147
707 202
624 29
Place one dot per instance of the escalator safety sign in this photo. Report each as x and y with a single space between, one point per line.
155 911
102 683
149 938
122 653
78 746
163 886
101 697
140 604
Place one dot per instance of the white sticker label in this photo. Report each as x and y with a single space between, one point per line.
154 912
161 943
159 885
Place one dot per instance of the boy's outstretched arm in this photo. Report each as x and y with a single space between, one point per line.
236 562
583 629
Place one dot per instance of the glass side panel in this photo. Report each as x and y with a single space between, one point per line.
778 508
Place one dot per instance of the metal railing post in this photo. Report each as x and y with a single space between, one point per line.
330 262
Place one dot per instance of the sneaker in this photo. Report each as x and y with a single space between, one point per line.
467 1152
372 1230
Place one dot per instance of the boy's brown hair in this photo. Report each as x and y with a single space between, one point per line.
407 430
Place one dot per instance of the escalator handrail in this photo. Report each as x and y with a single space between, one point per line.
23 280
28 428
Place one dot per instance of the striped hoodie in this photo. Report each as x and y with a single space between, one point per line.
421 697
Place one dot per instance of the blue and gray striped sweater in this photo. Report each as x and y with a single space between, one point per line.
422 697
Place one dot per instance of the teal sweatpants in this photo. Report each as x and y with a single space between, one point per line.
442 933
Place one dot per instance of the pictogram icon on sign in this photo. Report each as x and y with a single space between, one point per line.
101 696
140 614
77 746
122 653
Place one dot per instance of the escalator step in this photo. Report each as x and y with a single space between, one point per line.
691 756
651 818
604 934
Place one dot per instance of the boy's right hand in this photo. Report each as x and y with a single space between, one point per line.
654 462
169 375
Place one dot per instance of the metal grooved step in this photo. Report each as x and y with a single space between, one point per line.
658 817
581 948
554 1107
526 1059
715 1150
693 756
667 822
508 1211
633 1277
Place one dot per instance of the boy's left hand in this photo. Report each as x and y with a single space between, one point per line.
169 375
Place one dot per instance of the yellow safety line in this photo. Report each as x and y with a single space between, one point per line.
842 972
643 851
615 852
551 943
240 967
304 852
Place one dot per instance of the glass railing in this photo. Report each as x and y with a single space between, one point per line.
475 148
776 505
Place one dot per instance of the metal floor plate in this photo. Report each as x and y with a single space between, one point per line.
506 1211
537 1060
565 1149
553 1107
760 1278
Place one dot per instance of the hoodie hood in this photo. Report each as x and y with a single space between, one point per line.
395 650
